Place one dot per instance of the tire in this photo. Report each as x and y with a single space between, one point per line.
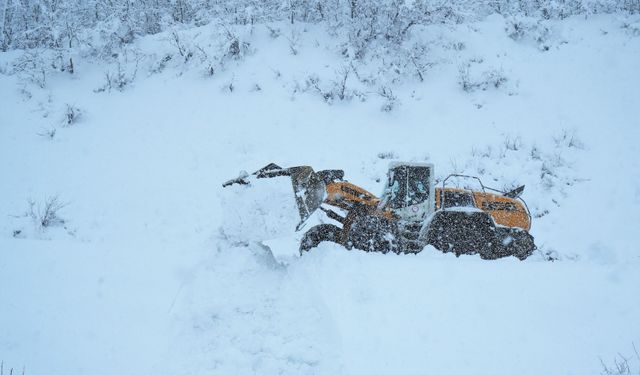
373 233
320 233
516 242
463 232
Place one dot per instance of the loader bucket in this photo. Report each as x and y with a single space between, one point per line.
309 190
309 187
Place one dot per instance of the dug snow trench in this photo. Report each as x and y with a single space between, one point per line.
337 311
98 309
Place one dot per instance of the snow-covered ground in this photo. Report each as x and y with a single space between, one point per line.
140 278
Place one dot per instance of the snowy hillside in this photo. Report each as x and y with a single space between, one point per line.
136 272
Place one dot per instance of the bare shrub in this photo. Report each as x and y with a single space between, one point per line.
482 153
118 79
273 32
464 78
391 101
632 28
31 67
71 115
340 85
568 138
336 89
387 155
313 83
534 153
48 133
522 29
294 42
236 48
46 214
161 64
229 86
417 58
622 365
512 143
492 78
10 369
183 49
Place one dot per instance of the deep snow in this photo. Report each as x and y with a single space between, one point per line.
141 280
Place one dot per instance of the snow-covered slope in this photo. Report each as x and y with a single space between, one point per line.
139 279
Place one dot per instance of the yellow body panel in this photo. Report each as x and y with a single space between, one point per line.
353 198
343 193
505 211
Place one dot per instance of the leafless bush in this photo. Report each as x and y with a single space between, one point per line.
417 58
32 67
118 79
340 85
494 78
273 32
161 64
391 101
387 155
632 29
458 46
512 143
337 89
47 213
464 78
622 365
71 115
313 83
62 62
183 49
487 79
568 138
550 255
236 47
527 29
10 369
26 94
229 87
48 133
294 42
534 153
483 153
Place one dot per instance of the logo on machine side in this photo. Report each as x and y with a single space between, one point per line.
498 206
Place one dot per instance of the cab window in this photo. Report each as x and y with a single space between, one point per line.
458 199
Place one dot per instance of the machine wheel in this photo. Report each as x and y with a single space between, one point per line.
463 232
373 233
410 234
319 233
516 242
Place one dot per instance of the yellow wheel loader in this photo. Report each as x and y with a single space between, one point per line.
411 213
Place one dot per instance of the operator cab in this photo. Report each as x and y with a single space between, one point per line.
409 192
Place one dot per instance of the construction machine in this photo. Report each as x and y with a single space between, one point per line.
412 212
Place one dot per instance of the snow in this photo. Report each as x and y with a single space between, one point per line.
141 278
272 204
